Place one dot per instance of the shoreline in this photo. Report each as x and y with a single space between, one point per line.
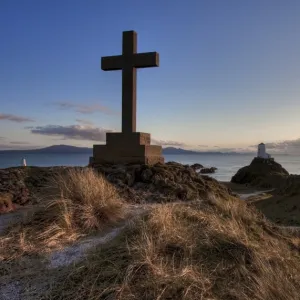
244 189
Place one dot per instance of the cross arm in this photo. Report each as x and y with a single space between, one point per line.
146 60
110 63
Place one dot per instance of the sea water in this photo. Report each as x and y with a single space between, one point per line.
227 164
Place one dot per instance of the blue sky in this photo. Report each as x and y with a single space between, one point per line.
229 74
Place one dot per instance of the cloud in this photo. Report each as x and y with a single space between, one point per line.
287 146
203 146
15 118
84 122
74 132
10 146
85 109
284 145
86 132
19 143
167 143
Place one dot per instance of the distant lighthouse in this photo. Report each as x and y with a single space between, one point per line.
24 164
261 151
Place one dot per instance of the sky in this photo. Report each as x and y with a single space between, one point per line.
229 74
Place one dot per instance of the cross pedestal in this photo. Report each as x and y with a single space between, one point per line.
128 146
123 148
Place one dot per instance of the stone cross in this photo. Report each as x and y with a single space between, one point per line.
128 62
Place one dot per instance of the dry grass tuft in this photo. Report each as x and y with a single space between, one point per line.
6 202
82 202
213 249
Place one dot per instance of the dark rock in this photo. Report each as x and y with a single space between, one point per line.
146 175
261 172
165 182
208 170
196 166
24 183
136 183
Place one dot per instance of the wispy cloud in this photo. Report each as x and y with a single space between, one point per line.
84 122
74 132
15 118
167 143
84 108
9 146
19 143
287 146
87 132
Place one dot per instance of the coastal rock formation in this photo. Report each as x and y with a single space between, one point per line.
265 173
162 182
196 166
21 185
208 170
137 183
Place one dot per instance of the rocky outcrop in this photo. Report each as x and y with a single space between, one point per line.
162 182
265 173
21 185
208 170
137 183
196 166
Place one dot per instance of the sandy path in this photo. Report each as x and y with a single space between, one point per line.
246 196
29 288
78 250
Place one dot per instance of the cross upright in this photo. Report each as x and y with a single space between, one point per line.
128 62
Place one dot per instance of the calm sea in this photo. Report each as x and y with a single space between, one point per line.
227 164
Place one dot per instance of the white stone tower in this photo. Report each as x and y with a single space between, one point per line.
261 151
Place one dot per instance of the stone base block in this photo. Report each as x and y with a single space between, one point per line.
126 150
119 139
147 160
144 154
122 148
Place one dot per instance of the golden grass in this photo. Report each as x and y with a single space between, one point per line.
214 249
6 202
82 201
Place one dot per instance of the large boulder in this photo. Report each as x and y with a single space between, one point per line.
208 170
265 173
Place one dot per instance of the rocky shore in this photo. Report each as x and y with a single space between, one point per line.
264 173
137 183
168 182
281 204
221 229
162 182
23 185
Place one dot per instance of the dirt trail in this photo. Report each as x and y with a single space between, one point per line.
78 250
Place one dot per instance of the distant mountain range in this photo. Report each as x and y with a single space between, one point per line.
72 149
